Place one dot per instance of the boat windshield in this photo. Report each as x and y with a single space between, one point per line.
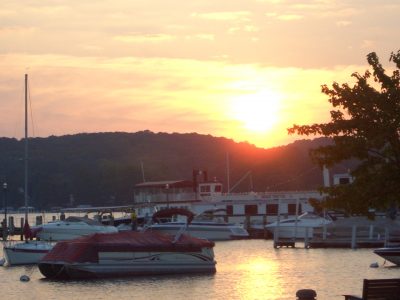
82 219
309 215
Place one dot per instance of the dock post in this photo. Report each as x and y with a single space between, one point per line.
276 237
22 229
11 225
306 242
371 231
4 229
247 222
324 230
353 237
385 244
306 294
265 233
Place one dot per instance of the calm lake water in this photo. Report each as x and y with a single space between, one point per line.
246 269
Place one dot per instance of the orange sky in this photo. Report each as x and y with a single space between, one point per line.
243 69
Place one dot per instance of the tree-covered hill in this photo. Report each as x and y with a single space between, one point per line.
102 168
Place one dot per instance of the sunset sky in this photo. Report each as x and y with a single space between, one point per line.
243 69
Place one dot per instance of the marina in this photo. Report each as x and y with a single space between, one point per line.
206 150
246 269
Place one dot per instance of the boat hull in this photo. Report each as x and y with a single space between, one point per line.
301 227
27 253
118 265
63 232
390 254
212 232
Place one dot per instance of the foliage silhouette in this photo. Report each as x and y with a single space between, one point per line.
365 125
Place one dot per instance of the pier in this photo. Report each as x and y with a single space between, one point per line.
349 236
288 243
11 229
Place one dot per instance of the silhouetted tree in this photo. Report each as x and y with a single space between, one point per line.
365 124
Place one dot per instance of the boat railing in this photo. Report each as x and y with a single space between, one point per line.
180 232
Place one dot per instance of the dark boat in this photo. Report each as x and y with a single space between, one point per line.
391 254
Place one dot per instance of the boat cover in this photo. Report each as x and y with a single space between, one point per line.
86 248
169 212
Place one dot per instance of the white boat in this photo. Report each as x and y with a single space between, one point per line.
201 194
26 253
298 227
128 253
391 254
72 227
30 252
210 228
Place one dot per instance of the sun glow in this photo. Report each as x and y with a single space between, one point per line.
258 112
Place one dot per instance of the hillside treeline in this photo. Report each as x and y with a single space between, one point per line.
102 168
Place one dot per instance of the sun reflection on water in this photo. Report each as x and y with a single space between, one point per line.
247 269
258 276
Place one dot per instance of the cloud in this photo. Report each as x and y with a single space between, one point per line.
284 17
367 44
144 38
201 36
290 17
17 30
239 16
343 23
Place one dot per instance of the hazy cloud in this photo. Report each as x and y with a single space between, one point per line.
126 65
146 38
240 16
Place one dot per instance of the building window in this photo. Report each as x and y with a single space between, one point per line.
272 209
344 180
218 188
292 209
229 210
205 189
250 209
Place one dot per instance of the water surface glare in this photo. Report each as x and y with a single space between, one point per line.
246 269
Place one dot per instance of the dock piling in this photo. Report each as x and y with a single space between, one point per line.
22 230
11 224
371 232
306 240
353 237
306 294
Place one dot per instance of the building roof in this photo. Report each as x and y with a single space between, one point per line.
163 184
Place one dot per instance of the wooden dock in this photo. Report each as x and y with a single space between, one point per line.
288 243
352 234
345 243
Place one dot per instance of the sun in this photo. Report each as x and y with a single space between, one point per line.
258 112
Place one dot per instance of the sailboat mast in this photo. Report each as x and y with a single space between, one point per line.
26 149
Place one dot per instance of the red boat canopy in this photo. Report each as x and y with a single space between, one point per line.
169 212
87 248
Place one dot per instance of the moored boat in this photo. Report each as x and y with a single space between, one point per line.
72 227
32 251
128 253
26 253
204 226
300 227
391 254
